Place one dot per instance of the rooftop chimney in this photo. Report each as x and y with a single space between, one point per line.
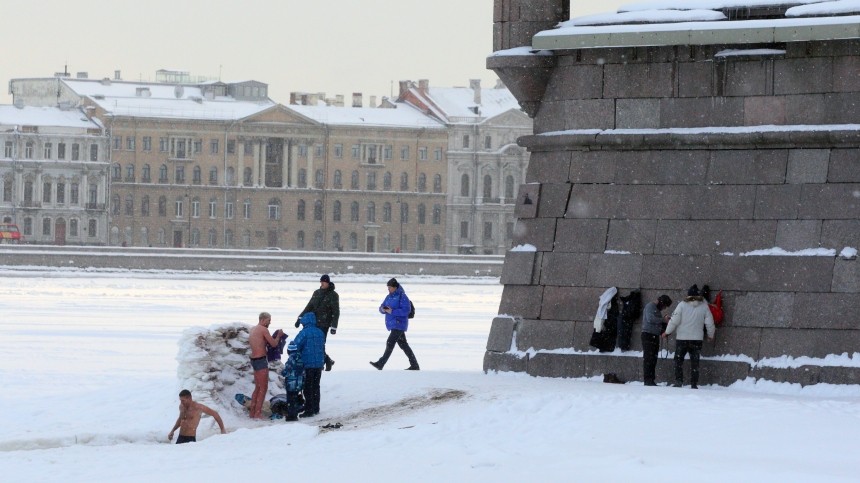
423 86
116 75
404 87
372 101
338 100
356 99
82 75
475 85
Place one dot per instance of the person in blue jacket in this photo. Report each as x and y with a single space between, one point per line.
311 345
396 308
294 380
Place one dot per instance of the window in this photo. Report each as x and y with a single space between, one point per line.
129 205
162 174
437 154
353 183
248 148
386 213
196 175
246 238
422 214
300 239
338 151
231 148
28 226
356 151
371 212
130 143
422 154
74 194
422 183
319 179
335 212
195 207
353 241
353 211
437 243
509 230
144 206
421 243
28 150
129 173
213 146
213 175
246 209
61 151
145 174
162 206
48 151
246 177
147 143
46 192
117 142
386 152
228 238
318 210
386 181
338 179
179 148
195 238
488 142
300 210
488 187
7 149
466 141
404 153
28 191
509 187
93 225
274 209
464 185
303 178
335 241
73 227
228 210
162 145
178 208
371 181
212 239
318 152
180 174
213 208
404 213
303 151
7 189
231 176
437 214
404 182
116 172
488 230
464 229
437 183
46 226
198 146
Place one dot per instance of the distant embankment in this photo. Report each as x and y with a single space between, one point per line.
251 260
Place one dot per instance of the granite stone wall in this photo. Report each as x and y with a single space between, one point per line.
656 168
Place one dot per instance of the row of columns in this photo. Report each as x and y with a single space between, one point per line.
289 164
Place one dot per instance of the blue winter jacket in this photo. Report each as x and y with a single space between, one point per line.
310 342
294 372
400 307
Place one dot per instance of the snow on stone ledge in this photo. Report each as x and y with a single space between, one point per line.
645 16
748 52
524 248
839 7
516 51
779 252
214 364
848 253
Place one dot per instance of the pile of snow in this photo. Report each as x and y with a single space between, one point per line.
214 364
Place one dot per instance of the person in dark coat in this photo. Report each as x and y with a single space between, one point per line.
325 304
294 380
310 343
396 308
653 325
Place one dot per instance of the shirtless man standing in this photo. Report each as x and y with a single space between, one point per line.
260 339
189 418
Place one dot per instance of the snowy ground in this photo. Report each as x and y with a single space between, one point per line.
89 394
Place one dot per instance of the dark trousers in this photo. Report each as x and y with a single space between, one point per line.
325 337
694 348
398 337
293 405
312 389
650 349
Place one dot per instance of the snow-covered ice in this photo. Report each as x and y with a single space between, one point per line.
90 387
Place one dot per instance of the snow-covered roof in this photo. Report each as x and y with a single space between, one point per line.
45 117
401 116
122 98
703 22
459 102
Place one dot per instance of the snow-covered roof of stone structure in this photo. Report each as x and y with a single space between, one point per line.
402 116
703 22
45 117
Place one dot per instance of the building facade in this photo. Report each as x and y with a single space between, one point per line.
485 165
54 171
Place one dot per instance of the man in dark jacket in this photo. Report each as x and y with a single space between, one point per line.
653 325
396 308
325 304
310 343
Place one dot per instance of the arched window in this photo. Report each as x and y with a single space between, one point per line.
437 214
303 178
129 205
116 172
371 212
386 212
353 183
464 185
404 212
386 181
300 240
129 172
195 237
144 236
371 181
353 211
212 239
509 187
246 176
162 206
114 236
422 214
162 174
338 179
353 241
196 175
231 176
246 239
404 182
335 212
488 186
318 210
420 243
319 179
318 240
437 243
422 183
146 174
300 210
213 175
274 209
228 238
114 205
335 241
437 183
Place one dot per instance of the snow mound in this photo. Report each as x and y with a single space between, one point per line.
214 364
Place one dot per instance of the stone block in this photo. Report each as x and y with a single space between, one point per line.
805 109
746 77
637 80
826 311
839 375
808 342
759 111
518 268
735 341
711 372
803 375
748 166
528 198
553 199
564 269
591 167
570 303
654 201
760 309
777 202
830 201
498 362
667 167
846 72
501 334
838 234
695 79
668 273
803 75
637 113
544 334
793 235
698 112
559 365
548 166
582 333
581 235
689 237
591 201
530 11
754 235
846 276
551 116
522 301
539 232
634 236
808 166
609 270
844 166
589 114
841 108
728 202
580 81
773 273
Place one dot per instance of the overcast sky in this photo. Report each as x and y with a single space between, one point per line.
331 46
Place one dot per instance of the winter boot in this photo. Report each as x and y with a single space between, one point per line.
328 363
376 365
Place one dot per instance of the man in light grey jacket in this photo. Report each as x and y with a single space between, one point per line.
690 319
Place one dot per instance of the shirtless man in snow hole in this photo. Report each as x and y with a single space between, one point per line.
260 339
189 418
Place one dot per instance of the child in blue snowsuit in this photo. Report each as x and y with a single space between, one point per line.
310 343
294 380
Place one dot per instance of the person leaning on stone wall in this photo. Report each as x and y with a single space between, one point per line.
689 321
653 325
